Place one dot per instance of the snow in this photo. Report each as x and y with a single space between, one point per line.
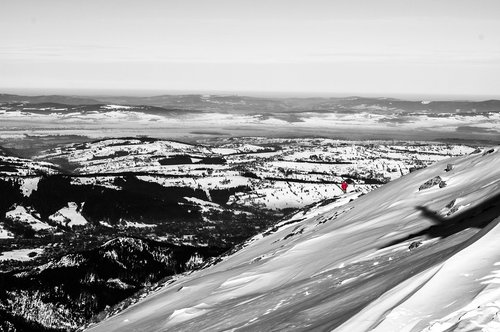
137 225
184 314
115 107
65 261
20 254
69 216
289 173
106 224
127 224
342 265
229 180
284 194
474 279
24 170
29 185
5 234
20 214
201 202
103 181
117 283
370 315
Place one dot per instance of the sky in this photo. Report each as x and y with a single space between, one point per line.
313 47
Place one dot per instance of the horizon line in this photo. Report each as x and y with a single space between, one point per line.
89 92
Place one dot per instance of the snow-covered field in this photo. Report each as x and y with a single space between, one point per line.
21 254
287 173
404 257
5 234
21 167
283 194
69 216
21 215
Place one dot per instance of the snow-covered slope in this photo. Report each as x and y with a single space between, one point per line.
405 257
19 214
5 234
69 216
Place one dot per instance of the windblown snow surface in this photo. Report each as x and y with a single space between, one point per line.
347 266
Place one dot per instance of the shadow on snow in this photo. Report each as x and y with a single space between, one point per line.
478 216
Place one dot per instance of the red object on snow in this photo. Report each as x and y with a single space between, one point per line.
344 186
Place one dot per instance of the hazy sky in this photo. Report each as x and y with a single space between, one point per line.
382 47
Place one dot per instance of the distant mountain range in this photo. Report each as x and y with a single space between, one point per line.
233 103
56 99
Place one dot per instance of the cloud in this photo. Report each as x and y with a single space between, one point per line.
163 54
